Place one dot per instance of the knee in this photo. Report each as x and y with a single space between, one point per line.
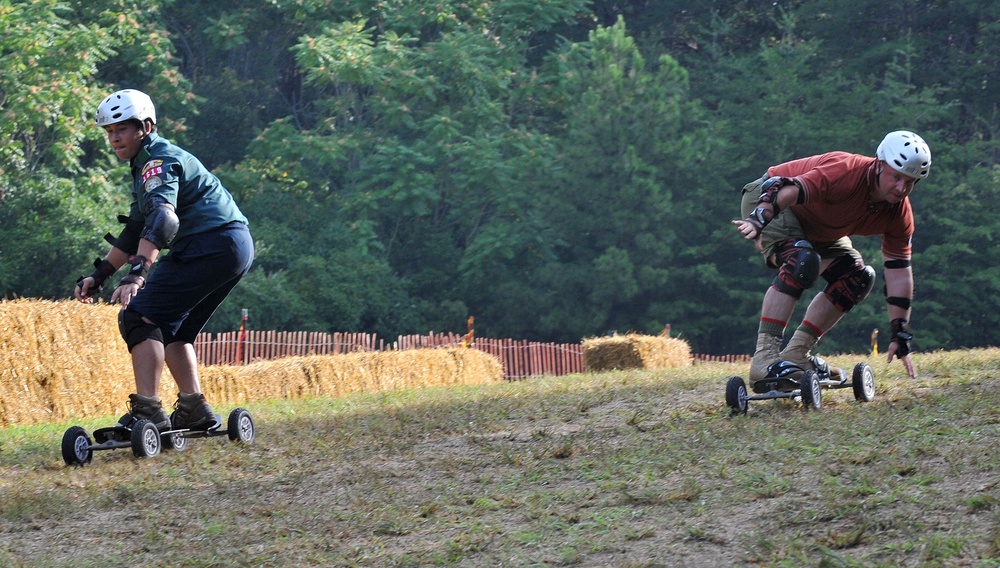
799 269
849 282
135 329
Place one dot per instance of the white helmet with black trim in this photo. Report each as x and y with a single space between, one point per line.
127 104
906 153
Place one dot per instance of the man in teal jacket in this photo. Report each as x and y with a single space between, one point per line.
177 204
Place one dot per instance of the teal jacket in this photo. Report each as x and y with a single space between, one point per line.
199 198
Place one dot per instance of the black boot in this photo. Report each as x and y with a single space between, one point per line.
192 412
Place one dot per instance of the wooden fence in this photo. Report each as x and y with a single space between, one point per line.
520 358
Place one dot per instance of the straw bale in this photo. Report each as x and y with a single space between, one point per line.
64 360
341 375
60 359
634 351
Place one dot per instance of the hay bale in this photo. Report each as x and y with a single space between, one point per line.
61 359
634 351
342 375
65 360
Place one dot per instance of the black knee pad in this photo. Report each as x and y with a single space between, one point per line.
850 282
135 330
799 269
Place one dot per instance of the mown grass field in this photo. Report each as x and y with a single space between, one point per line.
637 468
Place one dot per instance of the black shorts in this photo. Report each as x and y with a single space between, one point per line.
191 281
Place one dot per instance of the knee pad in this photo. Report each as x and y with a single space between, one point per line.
135 330
850 282
800 265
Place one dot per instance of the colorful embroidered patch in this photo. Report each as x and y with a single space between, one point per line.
152 168
151 164
152 183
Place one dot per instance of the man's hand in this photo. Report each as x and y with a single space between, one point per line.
746 228
124 293
89 286
84 289
911 370
899 345
133 281
754 224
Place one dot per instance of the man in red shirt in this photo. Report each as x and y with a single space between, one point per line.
801 215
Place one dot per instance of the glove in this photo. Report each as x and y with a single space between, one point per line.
103 270
902 336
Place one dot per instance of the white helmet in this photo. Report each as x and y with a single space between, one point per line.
125 105
906 153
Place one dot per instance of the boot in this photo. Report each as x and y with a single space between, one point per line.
148 407
192 412
798 351
768 347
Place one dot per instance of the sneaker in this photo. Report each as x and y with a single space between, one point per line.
192 412
147 407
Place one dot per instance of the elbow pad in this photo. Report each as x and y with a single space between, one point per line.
128 239
772 185
162 225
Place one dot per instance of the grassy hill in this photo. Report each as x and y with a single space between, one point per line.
634 468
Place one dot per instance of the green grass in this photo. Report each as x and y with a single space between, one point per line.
628 469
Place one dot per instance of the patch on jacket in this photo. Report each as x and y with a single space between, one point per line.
152 168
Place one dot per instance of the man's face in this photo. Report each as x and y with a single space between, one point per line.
125 138
892 186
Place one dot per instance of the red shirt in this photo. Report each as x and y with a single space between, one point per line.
838 188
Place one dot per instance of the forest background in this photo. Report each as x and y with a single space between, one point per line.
559 169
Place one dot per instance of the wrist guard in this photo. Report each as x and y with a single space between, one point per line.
103 271
140 269
760 218
902 336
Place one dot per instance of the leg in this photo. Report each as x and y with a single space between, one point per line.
850 282
183 365
147 366
799 268
145 344
192 410
822 314
777 308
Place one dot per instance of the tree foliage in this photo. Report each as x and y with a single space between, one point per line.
558 168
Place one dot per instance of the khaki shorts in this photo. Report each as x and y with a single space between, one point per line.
786 226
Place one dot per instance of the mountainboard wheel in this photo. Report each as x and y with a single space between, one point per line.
736 395
240 426
174 441
812 393
864 383
76 447
146 441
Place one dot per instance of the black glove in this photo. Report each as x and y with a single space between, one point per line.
902 336
103 270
